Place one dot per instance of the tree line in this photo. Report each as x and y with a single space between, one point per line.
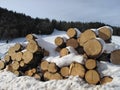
13 25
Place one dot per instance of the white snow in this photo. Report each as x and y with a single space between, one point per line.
9 81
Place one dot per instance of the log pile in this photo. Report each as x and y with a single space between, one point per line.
28 60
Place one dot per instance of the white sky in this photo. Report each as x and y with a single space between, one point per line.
107 11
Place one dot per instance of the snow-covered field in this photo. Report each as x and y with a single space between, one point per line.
9 81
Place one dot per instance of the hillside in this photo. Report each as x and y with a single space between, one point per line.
13 25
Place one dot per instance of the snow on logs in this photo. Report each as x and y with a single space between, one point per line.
88 46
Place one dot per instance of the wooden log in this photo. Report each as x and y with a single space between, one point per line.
18 47
13 56
47 75
27 57
60 41
93 48
7 59
52 67
29 73
67 50
115 57
73 32
90 64
11 51
30 37
92 77
106 79
72 42
34 70
56 76
22 64
33 46
15 65
2 65
105 33
64 71
37 76
18 73
77 69
85 36
44 65
19 56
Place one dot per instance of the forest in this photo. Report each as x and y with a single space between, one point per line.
14 25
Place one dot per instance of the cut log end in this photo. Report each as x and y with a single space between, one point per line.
77 69
72 42
115 57
85 36
105 80
59 41
37 76
56 76
30 37
93 48
44 65
7 58
52 67
90 64
22 64
2 65
27 57
64 71
15 65
92 77
19 56
104 33
71 32
17 47
64 52
47 75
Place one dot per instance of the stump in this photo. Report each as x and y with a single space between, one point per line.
77 69
85 36
93 48
105 33
115 57
72 42
92 77
64 71
106 79
90 64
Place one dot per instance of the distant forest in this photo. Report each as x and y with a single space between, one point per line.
13 25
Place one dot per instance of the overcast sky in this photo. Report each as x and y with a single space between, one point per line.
107 11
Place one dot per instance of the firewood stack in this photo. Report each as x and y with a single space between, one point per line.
28 60
24 60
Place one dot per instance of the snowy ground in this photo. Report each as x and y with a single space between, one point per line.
9 81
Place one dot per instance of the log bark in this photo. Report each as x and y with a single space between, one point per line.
64 71
77 69
93 48
72 42
115 57
90 64
60 41
85 36
92 77
73 32
106 79
105 33
30 37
